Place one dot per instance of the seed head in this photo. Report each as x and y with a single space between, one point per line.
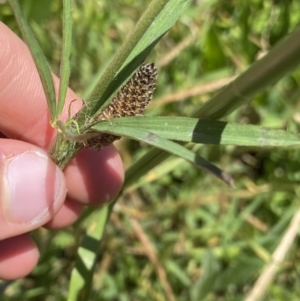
131 100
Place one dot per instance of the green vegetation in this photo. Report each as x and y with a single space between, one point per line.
178 233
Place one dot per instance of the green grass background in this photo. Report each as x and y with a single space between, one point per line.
195 224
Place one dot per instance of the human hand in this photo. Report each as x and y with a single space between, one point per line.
33 189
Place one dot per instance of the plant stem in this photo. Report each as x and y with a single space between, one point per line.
62 150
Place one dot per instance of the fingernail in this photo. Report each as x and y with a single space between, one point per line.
32 184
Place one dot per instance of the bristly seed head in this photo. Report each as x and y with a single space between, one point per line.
131 100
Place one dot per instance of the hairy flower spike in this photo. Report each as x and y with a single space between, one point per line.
131 100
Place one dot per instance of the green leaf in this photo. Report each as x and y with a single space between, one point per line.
157 19
65 67
176 271
279 61
82 274
204 131
205 283
38 57
171 147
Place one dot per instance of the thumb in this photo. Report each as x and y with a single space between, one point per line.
32 188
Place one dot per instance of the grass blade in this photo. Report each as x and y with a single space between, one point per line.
211 269
277 63
280 60
83 271
204 131
38 57
172 148
159 16
65 67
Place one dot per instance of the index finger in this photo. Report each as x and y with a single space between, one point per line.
23 109
93 177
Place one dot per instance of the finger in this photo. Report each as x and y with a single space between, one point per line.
23 107
95 177
89 183
67 215
24 115
18 257
32 188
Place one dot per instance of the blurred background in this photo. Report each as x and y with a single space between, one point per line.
178 223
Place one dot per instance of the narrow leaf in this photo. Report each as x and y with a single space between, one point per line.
157 19
279 61
194 130
38 57
172 148
205 284
65 67
83 271
274 65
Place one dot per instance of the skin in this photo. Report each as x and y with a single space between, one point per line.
41 194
